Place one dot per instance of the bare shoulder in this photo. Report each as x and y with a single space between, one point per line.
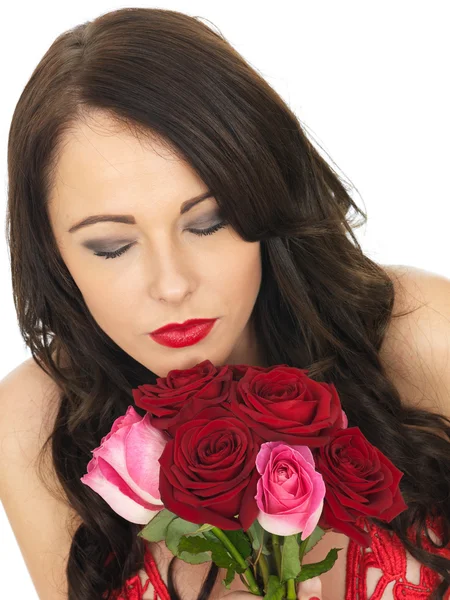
416 348
416 287
39 398
41 519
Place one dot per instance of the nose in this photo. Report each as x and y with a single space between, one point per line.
171 276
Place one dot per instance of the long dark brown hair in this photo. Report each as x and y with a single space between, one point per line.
322 305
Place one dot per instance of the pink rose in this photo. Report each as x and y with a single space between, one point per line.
290 491
124 469
344 420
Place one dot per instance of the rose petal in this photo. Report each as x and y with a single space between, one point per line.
120 503
114 453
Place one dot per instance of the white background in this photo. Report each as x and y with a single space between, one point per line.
367 80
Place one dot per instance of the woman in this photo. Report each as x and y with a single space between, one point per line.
227 212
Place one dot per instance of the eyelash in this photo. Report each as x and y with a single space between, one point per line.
199 232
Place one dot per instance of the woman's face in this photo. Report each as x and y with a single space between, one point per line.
167 274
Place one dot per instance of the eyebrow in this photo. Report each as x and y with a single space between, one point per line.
130 220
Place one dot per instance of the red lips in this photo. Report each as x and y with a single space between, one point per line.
185 334
178 326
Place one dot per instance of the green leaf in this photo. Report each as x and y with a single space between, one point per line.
155 530
229 577
209 535
314 538
240 541
204 527
290 562
175 532
314 569
219 553
258 536
275 589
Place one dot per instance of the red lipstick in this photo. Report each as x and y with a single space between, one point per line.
178 335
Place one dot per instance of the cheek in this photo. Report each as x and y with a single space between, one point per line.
112 312
103 294
238 277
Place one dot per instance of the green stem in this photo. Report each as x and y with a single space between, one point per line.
302 549
291 593
253 586
277 553
264 568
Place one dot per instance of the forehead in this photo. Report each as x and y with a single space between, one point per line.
105 165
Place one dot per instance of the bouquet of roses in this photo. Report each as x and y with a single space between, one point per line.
244 466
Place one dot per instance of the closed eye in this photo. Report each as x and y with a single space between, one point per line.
199 232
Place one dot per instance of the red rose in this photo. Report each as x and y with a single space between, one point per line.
208 472
240 370
165 400
359 480
283 404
